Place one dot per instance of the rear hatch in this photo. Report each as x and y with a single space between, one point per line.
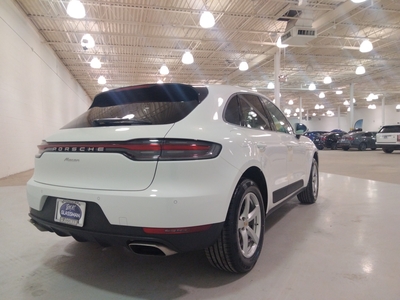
389 135
116 144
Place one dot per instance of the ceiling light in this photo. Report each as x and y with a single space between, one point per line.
279 43
372 106
366 46
398 106
358 1
105 89
290 102
187 58
207 20
87 42
101 80
164 70
75 9
312 86
314 114
339 92
346 102
270 85
327 80
243 66
316 106
360 70
322 95
330 113
159 81
287 111
348 109
95 63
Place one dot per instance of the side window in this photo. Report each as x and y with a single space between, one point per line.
252 112
232 114
279 120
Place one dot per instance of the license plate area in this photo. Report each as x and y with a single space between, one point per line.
70 212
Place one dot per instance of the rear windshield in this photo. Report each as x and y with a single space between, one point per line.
385 129
151 104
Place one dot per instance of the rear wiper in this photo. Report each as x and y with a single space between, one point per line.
118 122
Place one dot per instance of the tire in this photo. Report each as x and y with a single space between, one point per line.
373 149
362 147
387 150
310 194
320 147
345 148
239 245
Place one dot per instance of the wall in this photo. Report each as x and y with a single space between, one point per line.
372 119
38 95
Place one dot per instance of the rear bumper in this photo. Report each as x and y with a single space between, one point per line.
388 146
98 229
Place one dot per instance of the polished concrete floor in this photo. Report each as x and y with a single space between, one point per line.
345 246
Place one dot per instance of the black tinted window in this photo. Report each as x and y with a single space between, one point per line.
232 114
279 120
390 129
252 112
147 104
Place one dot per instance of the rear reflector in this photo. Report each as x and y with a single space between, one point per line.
181 230
143 150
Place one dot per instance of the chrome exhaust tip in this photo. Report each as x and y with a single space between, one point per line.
150 249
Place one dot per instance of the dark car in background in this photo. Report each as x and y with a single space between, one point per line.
330 139
360 140
315 136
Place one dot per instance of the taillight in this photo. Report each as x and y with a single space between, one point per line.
398 138
143 150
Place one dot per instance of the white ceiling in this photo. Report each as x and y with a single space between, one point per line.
135 37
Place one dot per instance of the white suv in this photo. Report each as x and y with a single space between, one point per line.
167 168
388 138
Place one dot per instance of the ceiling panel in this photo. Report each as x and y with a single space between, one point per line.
135 37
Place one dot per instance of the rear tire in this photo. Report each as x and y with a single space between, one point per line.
310 194
239 245
362 147
387 150
345 148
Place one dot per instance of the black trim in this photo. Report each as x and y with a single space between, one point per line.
290 189
97 229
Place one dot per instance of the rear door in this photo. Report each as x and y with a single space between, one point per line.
297 170
260 141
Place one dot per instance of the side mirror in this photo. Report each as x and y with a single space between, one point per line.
300 129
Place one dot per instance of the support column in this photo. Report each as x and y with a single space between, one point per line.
383 111
277 72
338 116
351 106
301 108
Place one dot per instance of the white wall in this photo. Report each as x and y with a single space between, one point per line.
372 119
38 95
